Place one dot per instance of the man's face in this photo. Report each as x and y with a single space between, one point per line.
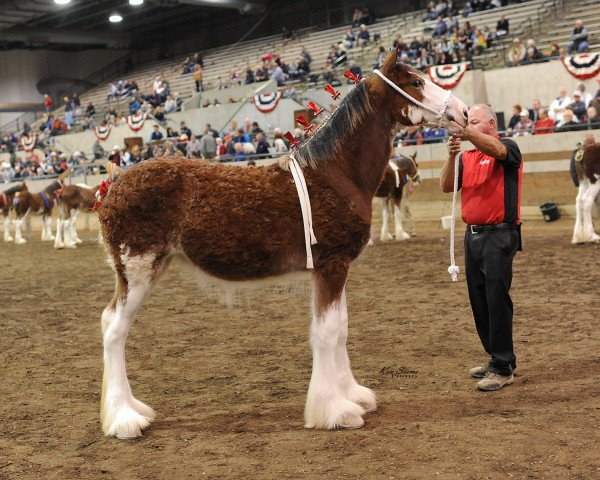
591 111
562 92
479 122
536 105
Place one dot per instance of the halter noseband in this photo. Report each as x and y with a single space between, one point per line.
439 115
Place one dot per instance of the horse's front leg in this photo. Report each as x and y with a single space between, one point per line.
353 391
588 203
326 403
7 236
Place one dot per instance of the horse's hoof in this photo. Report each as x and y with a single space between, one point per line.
351 421
9 239
78 240
59 246
20 242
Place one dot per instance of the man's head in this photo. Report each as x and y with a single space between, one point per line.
543 113
577 96
536 105
238 147
562 92
578 23
483 119
260 137
592 112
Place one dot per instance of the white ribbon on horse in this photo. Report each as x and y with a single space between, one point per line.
448 76
267 102
309 234
582 66
136 121
28 143
395 168
102 132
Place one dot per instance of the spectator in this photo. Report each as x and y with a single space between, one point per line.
115 156
595 102
502 28
355 69
533 56
516 53
578 107
193 147
349 38
534 110
134 105
380 57
239 155
198 78
525 126
208 146
171 133
586 97
170 105
280 146
278 76
255 130
363 36
569 123
47 102
306 56
262 146
579 39
159 114
440 28
185 130
156 134
557 107
554 51
411 136
516 118
241 136
356 17
90 111
593 118
544 124
97 149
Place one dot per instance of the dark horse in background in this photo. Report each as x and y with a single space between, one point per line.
238 227
397 173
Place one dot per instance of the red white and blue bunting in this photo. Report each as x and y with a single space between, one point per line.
267 102
448 76
136 121
28 143
583 66
102 131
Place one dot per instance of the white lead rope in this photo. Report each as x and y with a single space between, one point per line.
309 234
453 268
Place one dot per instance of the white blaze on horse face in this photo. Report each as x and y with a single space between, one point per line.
436 98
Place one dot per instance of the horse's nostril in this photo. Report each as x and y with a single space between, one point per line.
466 113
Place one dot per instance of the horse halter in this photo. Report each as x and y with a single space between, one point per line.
439 115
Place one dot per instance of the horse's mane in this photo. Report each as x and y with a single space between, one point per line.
53 186
14 189
327 142
403 162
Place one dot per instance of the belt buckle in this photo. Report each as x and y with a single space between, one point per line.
472 231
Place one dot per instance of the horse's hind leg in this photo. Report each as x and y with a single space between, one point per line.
326 403
19 240
399 230
578 230
354 392
122 415
385 213
73 226
47 228
60 227
588 202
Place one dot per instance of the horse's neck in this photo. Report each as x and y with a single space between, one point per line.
364 159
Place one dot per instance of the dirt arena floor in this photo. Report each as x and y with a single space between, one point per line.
229 386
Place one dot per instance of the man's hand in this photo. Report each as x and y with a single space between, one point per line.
453 145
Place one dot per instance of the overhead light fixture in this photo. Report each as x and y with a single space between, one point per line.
62 2
115 17
135 3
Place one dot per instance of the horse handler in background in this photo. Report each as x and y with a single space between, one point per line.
490 178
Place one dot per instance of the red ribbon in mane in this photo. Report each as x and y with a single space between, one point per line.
102 191
353 77
302 121
290 137
332 91
315 108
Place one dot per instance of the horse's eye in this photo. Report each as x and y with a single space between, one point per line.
417 83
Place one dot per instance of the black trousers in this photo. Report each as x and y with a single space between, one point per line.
488 264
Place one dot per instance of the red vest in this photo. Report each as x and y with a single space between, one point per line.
491 189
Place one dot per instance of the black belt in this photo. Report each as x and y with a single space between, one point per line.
496 226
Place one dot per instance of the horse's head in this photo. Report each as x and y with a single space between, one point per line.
415 100
409 167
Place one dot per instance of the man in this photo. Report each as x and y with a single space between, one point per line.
262 146
524 126
156 134
593 119
490 177
502 28
569 123
534 111
557 107
579 39
184 129
208 146
98 150
578 106
215 134
544 124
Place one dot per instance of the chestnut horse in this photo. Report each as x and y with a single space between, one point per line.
6 203
588 171
244 226
390 193
73 199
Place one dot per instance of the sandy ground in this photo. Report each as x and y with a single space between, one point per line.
229 385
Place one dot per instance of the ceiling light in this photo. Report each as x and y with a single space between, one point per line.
115 17
135 2
62 2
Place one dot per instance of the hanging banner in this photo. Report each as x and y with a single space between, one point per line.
28 143
102 131
136 121
448 76
267 102
582 66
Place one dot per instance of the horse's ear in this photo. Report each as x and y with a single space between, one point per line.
414 156
390 61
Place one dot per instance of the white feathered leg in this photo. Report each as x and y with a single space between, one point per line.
354 392
7 236
587 204
385 217
58 241
399 231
